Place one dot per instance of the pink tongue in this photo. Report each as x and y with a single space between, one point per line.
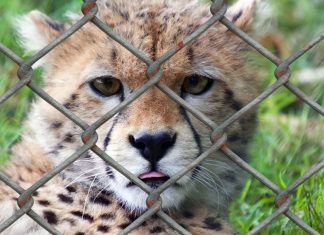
152 174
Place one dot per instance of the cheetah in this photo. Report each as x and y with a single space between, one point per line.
153 137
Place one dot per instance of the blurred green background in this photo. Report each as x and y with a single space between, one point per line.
289 139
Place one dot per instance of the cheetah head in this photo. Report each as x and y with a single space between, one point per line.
153 137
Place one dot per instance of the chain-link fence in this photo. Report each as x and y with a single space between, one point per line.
154 73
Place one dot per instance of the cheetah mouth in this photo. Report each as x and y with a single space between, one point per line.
153 179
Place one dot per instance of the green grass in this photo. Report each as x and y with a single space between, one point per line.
281 150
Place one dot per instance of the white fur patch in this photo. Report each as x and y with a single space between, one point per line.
30 36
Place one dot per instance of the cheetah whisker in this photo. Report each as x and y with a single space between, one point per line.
75 180
86 198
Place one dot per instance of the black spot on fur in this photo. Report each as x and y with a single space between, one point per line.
84 216
157 229
140 15
232 138
87 156
125 15
50 217
195 172
190 54
60 146
71 189
79 233
100 200
132 217
55 25
74 96
103 228
229 176
107 216
212 223
188 214
44 202
113 55
67 105
29 169
237 16
56 125
236 105
109 172
229 96
65 198
124 225
69 138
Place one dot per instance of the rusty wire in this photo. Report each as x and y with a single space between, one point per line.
154 73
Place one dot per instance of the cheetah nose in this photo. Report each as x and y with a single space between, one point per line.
153 147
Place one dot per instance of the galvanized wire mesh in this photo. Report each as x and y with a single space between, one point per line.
154 73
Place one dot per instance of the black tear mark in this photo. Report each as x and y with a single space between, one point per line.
50 216
213 224
194 132
65 198
229 96
107 138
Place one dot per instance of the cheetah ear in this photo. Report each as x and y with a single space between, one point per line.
242 13
36 30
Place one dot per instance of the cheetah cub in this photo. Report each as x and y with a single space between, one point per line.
153 137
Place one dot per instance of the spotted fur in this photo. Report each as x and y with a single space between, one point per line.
76 199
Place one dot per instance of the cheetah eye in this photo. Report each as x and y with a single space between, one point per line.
106 86
196 84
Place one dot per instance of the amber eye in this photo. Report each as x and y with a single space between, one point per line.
106 86
196 84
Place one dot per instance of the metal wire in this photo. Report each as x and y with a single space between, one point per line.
89 136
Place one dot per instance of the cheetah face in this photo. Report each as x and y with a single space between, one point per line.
153 137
